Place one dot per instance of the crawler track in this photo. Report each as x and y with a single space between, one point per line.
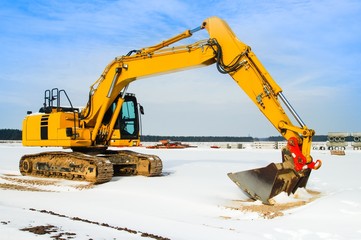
98 168
67 165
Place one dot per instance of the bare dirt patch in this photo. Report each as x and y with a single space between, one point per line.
9 186
273 211
40 182
84 187
18 182
50 229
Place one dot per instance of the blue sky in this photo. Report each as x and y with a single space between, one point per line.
311 48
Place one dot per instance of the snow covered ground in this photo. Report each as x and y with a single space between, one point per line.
193 200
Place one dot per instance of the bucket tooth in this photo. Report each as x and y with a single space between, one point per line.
265 183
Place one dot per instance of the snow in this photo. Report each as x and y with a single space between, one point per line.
193 200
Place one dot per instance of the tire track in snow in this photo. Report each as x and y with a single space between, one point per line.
131 231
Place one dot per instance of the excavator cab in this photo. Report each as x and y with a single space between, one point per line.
58 108
127 127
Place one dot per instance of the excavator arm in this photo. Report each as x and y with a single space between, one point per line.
236 58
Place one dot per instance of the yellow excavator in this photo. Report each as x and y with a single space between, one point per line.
106 121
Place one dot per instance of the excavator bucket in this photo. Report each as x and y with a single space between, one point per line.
267 182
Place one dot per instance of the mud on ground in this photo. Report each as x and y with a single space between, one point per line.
50 229
272 211
20 183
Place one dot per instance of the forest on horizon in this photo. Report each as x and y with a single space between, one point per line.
15 134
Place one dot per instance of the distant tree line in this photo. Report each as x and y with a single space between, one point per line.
15 134
153 138
10 134
316 138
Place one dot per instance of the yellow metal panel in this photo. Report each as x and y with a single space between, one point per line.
50 130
